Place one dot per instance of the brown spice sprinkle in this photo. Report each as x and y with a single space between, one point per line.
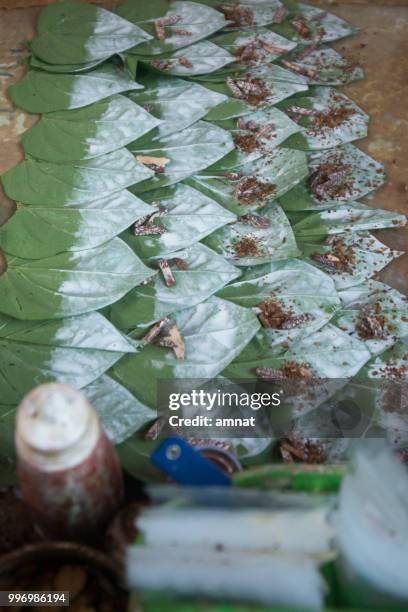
251 190
251 90
305 450
330 180
248 246
371 323
247 143
272 315
333 118
301 27
339 259
256 52
290 370
240 16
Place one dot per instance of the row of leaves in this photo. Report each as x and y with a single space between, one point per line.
72 189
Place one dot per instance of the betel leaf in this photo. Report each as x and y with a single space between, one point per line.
204 274
72 32
245 245
171 25
354 217
302 299
95 130
42 92
311 25
391 365
177 103
255 135
35 181
214 332
74 350
361 256
260 87
329 353
355 175
202 58
187 216
179 155
120 412
254 48
375 313
36 62
322 66
252 185
328 119
247 14
70 283
37 231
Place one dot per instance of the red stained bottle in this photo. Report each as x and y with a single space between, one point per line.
69 472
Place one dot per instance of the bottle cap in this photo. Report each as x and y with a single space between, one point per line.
56 426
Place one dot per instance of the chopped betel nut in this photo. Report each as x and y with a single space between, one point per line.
173 340
311 73
251 90
160 25
239 16
255 221
167 273
166 65
251 190
256 51
272 315
247 143
157 164
149 229
290 370
371 323
304 450
248 246
339 259
301 26
155 330
280 14
329 180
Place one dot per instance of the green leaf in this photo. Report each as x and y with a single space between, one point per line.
193 22
186 152
120 412
299 288
386 309
264 180
354 217
205 274
391 365
366 256
244 245
187 216
252 49
332 120
88 132
362 174
202 58
37 231
76 33
329 352
250 14
40 92
214 333
255 135
323 66
276 84
177 103
36 62
74 350
70 283
321 26
7 451
35 182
